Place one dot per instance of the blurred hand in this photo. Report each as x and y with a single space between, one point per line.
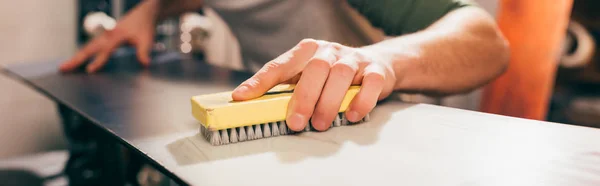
323 71
136 28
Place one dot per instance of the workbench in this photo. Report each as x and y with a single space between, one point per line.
147 112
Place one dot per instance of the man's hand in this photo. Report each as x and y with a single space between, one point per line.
136 28
323 71
459 53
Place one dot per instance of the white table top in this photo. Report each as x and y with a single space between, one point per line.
403 144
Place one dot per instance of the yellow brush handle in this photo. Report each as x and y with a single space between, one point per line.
218 111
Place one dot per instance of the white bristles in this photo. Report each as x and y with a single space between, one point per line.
283 128
215 138
258 132
264 130
274 129
242 134
233 136
337 121
250 132
344 120
224 137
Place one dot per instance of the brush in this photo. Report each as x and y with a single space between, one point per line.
224 121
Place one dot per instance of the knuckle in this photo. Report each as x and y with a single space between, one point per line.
252 82
360 55
304 109
307 97
269 70
336 46
320 62
344 70
375 77
363 106
308 43
305 101
270 66
320 112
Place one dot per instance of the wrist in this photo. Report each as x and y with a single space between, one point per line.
403 62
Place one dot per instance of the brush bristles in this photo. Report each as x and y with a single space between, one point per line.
242 134
283 130
337 121
233 136
265 130
224 137
274 129
249 132
258 131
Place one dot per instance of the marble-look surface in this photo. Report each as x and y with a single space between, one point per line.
403 144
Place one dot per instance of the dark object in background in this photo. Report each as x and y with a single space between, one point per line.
577 90
17 177
587 14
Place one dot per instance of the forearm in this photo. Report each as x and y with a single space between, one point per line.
457 54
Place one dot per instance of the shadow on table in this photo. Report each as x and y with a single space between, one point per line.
168 66
289 149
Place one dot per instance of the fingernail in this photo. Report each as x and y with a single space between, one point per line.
63 66
319 124
147 61
89 69
239 93
241 89
296 122
352 116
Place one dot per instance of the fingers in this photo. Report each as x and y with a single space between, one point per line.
98 62
80 57
101 47
259 83
309 87
283 68
143 46
370 91
294 79
339 80
102 57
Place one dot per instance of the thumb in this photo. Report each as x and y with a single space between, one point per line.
266 78
283 68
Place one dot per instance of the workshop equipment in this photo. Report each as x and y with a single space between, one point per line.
225 121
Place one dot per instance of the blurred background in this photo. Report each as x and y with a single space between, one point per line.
36 30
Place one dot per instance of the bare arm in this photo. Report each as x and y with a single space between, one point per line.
458 53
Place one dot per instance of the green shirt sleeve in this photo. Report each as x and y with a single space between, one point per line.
397 17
